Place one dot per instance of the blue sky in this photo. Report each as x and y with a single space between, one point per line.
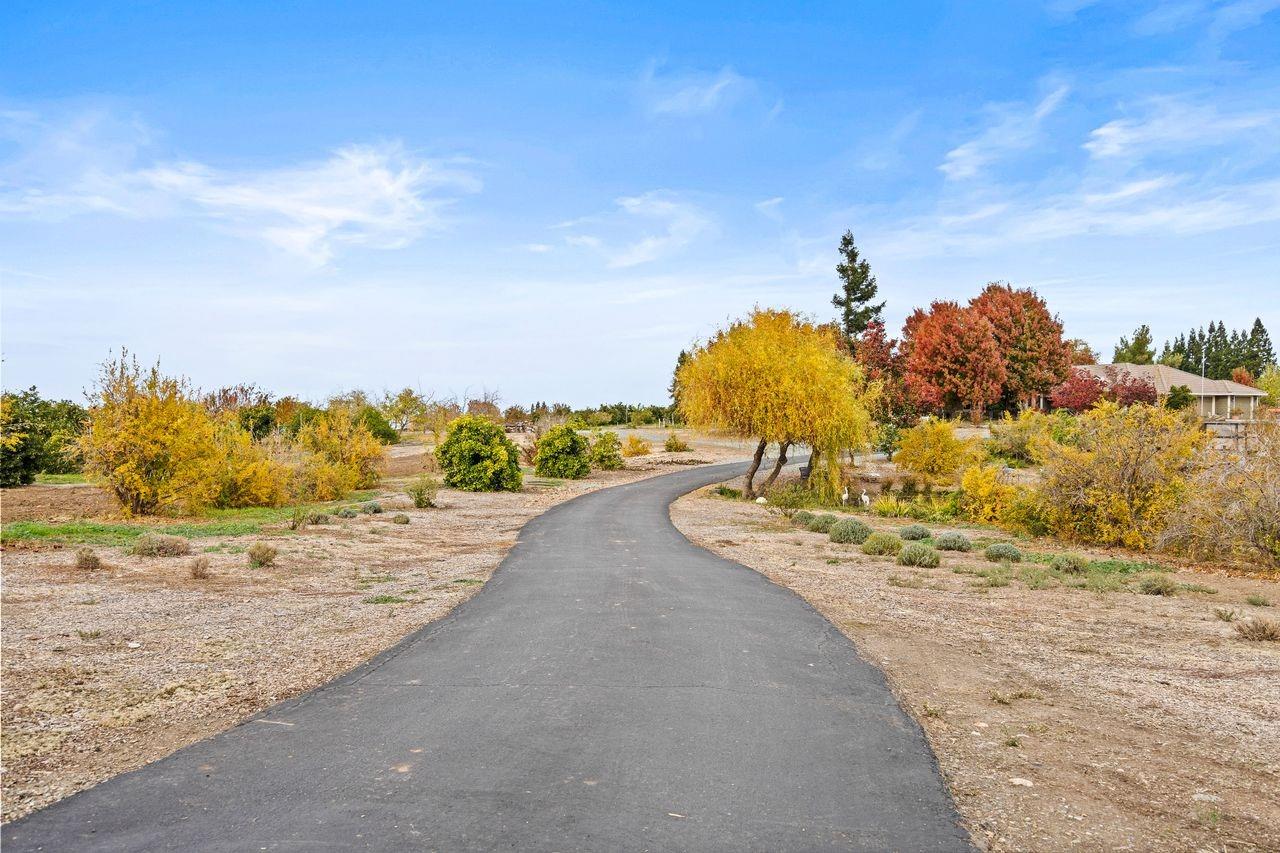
551 201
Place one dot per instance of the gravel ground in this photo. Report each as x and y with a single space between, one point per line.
109 670
1061 718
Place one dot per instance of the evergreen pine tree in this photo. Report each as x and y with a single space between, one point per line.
1259 349
856 292
1136 351
1218 352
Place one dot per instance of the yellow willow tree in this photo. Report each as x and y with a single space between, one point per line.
776 377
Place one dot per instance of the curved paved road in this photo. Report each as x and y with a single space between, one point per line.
611 688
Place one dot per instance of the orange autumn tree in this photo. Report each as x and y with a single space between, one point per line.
952 359
778 378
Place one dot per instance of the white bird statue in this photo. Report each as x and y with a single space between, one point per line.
866 500
762 500
844 498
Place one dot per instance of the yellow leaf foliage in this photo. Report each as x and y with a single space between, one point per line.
636 446
776 377
247 476
986 499
1123 474
931 450
149 441
341 455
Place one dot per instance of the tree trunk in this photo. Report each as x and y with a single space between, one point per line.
750 490
814 455
777 466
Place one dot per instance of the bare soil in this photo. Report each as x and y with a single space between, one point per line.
1061 718
106 671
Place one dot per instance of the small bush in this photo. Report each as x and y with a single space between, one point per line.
562 453
792 496
87 561
200 568
881 545
914 531
1069 564
423 491
918 554
1157 584
606 452
1258 600
298 518
477 456
346 512
931 450
371 508
636 446
1259 630
822 523
849 531
261 554
675 444
318 518
802 518
399 518
729 492
952 541
160 545
1003 551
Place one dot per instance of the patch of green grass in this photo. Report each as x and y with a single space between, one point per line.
468 581
1035 577
833 561
386 599
1123 567
60 479
97 533
1224 615
273 514
1257 600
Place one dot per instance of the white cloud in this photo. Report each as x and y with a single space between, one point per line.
690 94
769 207
377 196
1170 124
1013 129
680 223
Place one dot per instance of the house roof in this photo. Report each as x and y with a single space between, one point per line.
1165 377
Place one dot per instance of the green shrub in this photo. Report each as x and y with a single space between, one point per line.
371 508
1157 584
87 561
849 531
1069 564
261 554
423 491
1002 552
723 491
791 496
802 518
822 523
399 518
952 541
160 545
606 452
918 554
377 425
562 453
346 512
675 444
881 545
477 456
1257 600
914 531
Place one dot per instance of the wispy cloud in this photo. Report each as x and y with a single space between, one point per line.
679 223
1171 124
689 94
1013 128
378 196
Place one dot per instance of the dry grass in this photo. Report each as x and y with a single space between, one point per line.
160 545
1259 630
87 560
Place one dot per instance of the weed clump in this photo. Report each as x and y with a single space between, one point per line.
918 554
1257 600
371 508
882 545
200 568
952 541
849 531
318 518
1069 564
802 518
87 560
636 446
1157 584
423 491
822 523
261 555
160 545
1259 630
346 512
675 444
1000 552
399 518
914 531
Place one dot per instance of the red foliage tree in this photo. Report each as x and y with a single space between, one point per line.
952 359
1244 377
880 359
1036 358
1127 389
1079 392
1080 352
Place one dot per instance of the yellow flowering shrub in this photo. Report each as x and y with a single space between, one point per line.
341 455
931 450
985 498
247 475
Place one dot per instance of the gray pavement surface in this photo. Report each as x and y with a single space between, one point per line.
612 688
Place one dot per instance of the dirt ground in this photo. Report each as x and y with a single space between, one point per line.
1062 718
106 671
